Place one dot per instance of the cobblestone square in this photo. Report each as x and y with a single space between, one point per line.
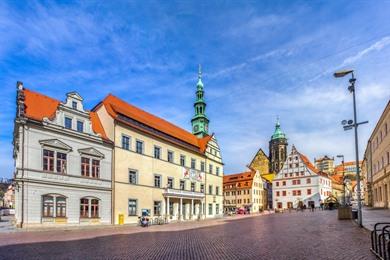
296 235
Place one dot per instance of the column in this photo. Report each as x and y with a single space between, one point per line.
181 209
167 209
192 209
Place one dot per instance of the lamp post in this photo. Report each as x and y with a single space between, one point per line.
342 162
348 125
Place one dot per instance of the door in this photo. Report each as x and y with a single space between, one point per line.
289 205
280 205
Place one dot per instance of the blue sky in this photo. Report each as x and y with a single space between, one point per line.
260 59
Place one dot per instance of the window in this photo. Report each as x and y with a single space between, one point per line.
85 164
210 189
284 183
48 160
80 126
139 147
193 163
182 160
157 208
170 156
182 185
61 162
68 122
298 182
277 184
170 183
95 168
299 192
217 190
94 208
210 209
202 188
308 181
157 152
132 177
48 206
84 208
157 181
74 104
192 186
202 166
132 207
284 193
277 193
125 142
210 169
217 171
60 207
216 208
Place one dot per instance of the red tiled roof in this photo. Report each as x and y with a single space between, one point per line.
337 178
239 179
39 106
116 106
308 163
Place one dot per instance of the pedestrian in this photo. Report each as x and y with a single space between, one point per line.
312 207
322 205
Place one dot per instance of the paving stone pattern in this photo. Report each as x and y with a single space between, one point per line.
298 235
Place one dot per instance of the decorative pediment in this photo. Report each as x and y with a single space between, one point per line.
55 143
92 152
74 95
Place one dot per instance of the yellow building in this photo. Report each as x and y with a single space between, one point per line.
161 170
376 169
243 191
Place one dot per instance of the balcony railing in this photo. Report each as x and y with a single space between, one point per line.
183 193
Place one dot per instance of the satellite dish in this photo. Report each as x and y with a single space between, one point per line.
344 122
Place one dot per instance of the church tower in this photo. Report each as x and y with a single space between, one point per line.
277 149
200 122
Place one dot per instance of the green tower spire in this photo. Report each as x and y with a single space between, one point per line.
278 134
200 122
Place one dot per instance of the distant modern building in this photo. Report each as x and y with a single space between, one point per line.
244 191
325 164
299 183
62 162
277 149
376 168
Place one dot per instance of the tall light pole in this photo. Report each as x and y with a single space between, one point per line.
349 125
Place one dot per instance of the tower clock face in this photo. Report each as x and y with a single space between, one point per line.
196 128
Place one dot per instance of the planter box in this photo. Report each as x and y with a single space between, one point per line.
345 212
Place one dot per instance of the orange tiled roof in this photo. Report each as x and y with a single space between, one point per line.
116 106
337 178
39 106
239 179
340 166
308 163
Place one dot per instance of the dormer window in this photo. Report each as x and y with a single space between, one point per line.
74 105
68 122
80 126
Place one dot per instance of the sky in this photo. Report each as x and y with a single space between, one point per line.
260 60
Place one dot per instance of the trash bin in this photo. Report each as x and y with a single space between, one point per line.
121 219
354 214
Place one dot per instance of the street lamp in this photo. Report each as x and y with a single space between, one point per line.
348 125
342 162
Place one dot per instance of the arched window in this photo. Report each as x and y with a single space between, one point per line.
89 208
53 206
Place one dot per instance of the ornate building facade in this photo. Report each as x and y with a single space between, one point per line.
299 183
277 149
62 162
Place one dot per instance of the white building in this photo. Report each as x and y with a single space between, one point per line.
299 183
62 162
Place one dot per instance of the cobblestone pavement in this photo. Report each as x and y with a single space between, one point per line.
301 235
371 216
